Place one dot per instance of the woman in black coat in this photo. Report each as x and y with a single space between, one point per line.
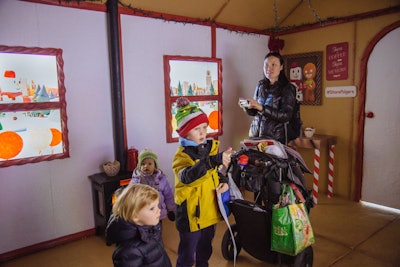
273 103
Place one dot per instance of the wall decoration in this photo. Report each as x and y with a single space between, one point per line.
337 61
305 72
33 120
340 91
200 80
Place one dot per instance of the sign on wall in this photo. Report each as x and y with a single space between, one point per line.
340 91
337 61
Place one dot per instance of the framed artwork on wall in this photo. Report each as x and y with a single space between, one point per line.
33 119
305 73
200 80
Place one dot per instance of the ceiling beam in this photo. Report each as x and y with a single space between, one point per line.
220 10
290 13
333 21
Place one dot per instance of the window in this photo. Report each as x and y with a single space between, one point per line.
33 119
200 80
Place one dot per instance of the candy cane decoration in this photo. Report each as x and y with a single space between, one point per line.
330 170
316 174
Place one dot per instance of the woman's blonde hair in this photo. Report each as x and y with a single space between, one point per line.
132 199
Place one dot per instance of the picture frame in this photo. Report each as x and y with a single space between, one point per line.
305 72
199 79
33 118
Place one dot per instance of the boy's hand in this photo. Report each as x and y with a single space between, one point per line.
226 156
222 187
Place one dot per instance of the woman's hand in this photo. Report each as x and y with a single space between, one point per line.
222 187
253 104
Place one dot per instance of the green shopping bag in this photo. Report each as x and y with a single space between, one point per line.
291 229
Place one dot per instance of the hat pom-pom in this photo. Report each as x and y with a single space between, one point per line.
182 101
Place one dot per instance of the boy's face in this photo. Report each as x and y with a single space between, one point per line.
148 166
198 134
149 215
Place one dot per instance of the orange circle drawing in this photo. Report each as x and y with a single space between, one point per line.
11 144
213 120
56 137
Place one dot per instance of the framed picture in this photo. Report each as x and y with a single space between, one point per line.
200 80
305 72
33 119
337 61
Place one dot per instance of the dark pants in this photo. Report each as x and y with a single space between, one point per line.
195 247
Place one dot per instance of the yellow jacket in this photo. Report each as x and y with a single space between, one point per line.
196 178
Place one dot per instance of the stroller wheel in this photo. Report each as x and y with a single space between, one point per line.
227 247
304 258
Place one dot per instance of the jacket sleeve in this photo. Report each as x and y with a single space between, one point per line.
253 111
192 172
285 112
135 178
168 195
223 178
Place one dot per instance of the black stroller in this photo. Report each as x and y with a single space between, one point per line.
263 173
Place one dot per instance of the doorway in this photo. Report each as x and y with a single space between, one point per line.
378 177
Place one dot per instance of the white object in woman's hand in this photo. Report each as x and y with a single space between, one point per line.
244 103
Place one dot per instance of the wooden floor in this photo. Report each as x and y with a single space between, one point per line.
347 234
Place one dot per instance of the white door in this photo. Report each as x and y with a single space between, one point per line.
381 165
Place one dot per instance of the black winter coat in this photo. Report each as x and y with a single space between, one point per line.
136 246
278 103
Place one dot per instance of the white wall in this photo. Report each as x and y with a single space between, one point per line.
47 200
146 41
242 67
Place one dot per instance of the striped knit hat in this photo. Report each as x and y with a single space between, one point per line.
188 116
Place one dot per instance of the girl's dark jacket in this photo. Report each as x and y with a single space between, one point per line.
278 101
136 245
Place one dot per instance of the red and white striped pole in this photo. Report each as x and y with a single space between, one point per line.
317 155
330 170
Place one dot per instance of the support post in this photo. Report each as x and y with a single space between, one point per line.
116 88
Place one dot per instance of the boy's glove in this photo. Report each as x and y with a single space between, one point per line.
171 216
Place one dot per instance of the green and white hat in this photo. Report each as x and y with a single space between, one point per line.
188 116
147 154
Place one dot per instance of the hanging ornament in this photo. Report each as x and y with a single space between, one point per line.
275 44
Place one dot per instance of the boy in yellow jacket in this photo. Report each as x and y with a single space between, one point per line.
195 166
